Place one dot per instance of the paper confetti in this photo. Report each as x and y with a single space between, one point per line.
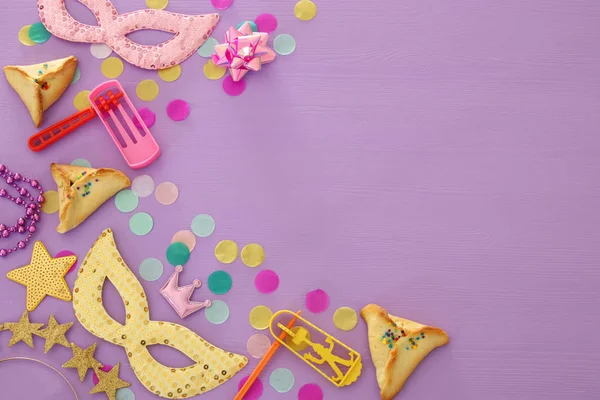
219 282
282 380
221 4
260 317
226 251
252 25
151 269
212 71
178 254
166 193
157 4
81 100
147 116
208 48
266 281
345 318
253 255
305 10
141 224
147 90
317 301
203 225
217 313
284 44
100 50
66 253
310 391
186 237
170 74
143 185
112 67
76 76
126 201
82 162
266 23
50 206
233 88
38 33
258 345
178 110
255 391
24 36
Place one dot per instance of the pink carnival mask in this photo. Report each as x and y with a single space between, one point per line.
190 31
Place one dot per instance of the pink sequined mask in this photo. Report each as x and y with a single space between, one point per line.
190 31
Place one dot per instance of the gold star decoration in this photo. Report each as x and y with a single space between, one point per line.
45 276
22 330
83 360
109 382
55 334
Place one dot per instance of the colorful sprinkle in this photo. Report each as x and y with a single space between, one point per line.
266 23
260 317
217 312
186 237
255 391
38 33
317 301
284 44
100 50
166 193
151 269
203 225
266 281
143 185
178 254
170 74
226 251
253 255
178 110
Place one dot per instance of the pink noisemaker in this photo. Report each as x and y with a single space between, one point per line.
190 31
179 296
243 51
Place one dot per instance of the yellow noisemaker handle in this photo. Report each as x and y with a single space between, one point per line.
333 355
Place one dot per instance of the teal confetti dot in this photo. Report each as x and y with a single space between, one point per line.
151 269
126 201
284 44
282 380
38 33
82 162
76 75
178 254
208 48
125 394
252 25
203 225
141 224
219 282
217 313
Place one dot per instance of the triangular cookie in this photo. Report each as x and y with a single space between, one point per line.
40 85
82 190
397 346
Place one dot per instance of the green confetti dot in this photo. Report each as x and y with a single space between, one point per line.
208 48
284 44
252 25
82 162
126 201
282 380
125 394
38 33
219 282
178 254
151 269
141 224
203 225
76 75
217 312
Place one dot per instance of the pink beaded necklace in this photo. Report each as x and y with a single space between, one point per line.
33 209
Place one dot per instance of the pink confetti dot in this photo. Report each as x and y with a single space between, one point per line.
266 23
147 115
66 253
266 281
178 110
233 88
256 390
310 391
317 301
221 4
105 368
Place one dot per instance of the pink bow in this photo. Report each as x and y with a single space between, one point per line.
243 51
190 31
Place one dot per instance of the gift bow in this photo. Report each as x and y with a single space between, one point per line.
243 51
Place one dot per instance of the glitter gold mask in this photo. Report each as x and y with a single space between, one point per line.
212 367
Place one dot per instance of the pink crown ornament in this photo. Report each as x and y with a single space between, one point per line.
243 51
179 296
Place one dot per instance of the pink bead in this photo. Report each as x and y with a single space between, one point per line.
18 177
3 253
21 229
36 217
2 227
30 212
3 193
19 201
2 167
5 234
32 229
21 244
21 222
23 192
34 184
10 180
41 199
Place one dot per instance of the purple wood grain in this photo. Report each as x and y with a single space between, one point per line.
438 158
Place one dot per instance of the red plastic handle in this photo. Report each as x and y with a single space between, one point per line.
54 133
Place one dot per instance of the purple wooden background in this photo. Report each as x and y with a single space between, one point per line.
438 158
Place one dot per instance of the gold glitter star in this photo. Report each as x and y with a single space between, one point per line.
109 382
45 276
82 360
22 330
55 334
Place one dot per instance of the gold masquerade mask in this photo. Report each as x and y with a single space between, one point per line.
213 365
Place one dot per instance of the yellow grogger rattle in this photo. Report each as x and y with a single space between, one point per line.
335 356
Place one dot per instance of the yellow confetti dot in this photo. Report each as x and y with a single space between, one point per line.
253 255
81 100
50 206
290 340
345 318
112 67
170 74
260 317
147 90
24 36
212 71
157 4
226 251
305 10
